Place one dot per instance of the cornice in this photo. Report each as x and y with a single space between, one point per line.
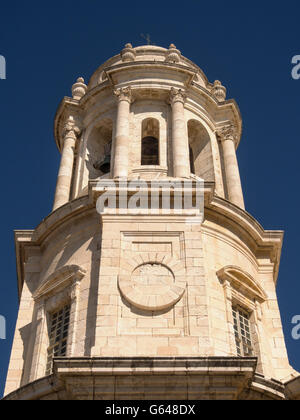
269 241
22 237
163 65
241 371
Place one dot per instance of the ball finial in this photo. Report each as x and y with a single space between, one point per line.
173 54
128 53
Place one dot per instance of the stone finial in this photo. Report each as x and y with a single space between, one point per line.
128 53
228 132
173 55
219 91
79 89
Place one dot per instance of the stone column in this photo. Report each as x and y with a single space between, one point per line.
227 136
122 133
64 179
180 141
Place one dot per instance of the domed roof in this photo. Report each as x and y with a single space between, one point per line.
150 71
147 54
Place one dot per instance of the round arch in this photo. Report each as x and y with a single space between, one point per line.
201 158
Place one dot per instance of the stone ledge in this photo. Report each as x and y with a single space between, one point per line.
153 365
146 378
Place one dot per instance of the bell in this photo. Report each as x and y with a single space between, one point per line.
103 165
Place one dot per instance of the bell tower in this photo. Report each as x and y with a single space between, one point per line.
120 303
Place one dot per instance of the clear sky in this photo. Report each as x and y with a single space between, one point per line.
48 44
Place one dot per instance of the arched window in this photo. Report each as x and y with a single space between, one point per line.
150 142
98 153
103 164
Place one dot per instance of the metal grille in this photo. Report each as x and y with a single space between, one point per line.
242 333
58 338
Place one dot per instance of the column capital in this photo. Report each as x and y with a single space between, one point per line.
177 95
71 128
124 94
228 132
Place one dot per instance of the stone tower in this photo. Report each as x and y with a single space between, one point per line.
126 305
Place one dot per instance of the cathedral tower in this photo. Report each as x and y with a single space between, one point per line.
116 303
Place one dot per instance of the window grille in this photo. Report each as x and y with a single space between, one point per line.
58 337
241 325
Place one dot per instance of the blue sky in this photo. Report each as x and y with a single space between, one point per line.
249 47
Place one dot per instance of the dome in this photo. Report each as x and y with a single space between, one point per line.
148 54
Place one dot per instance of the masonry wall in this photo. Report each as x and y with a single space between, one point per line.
124 329
110 319
223 246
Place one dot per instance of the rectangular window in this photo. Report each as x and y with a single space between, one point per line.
58 336
241 325
150 151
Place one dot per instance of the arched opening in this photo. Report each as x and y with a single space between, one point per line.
150 142
99 149
103 164
201 160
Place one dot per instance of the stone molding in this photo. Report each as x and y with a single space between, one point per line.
60 279
242 281
162 298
